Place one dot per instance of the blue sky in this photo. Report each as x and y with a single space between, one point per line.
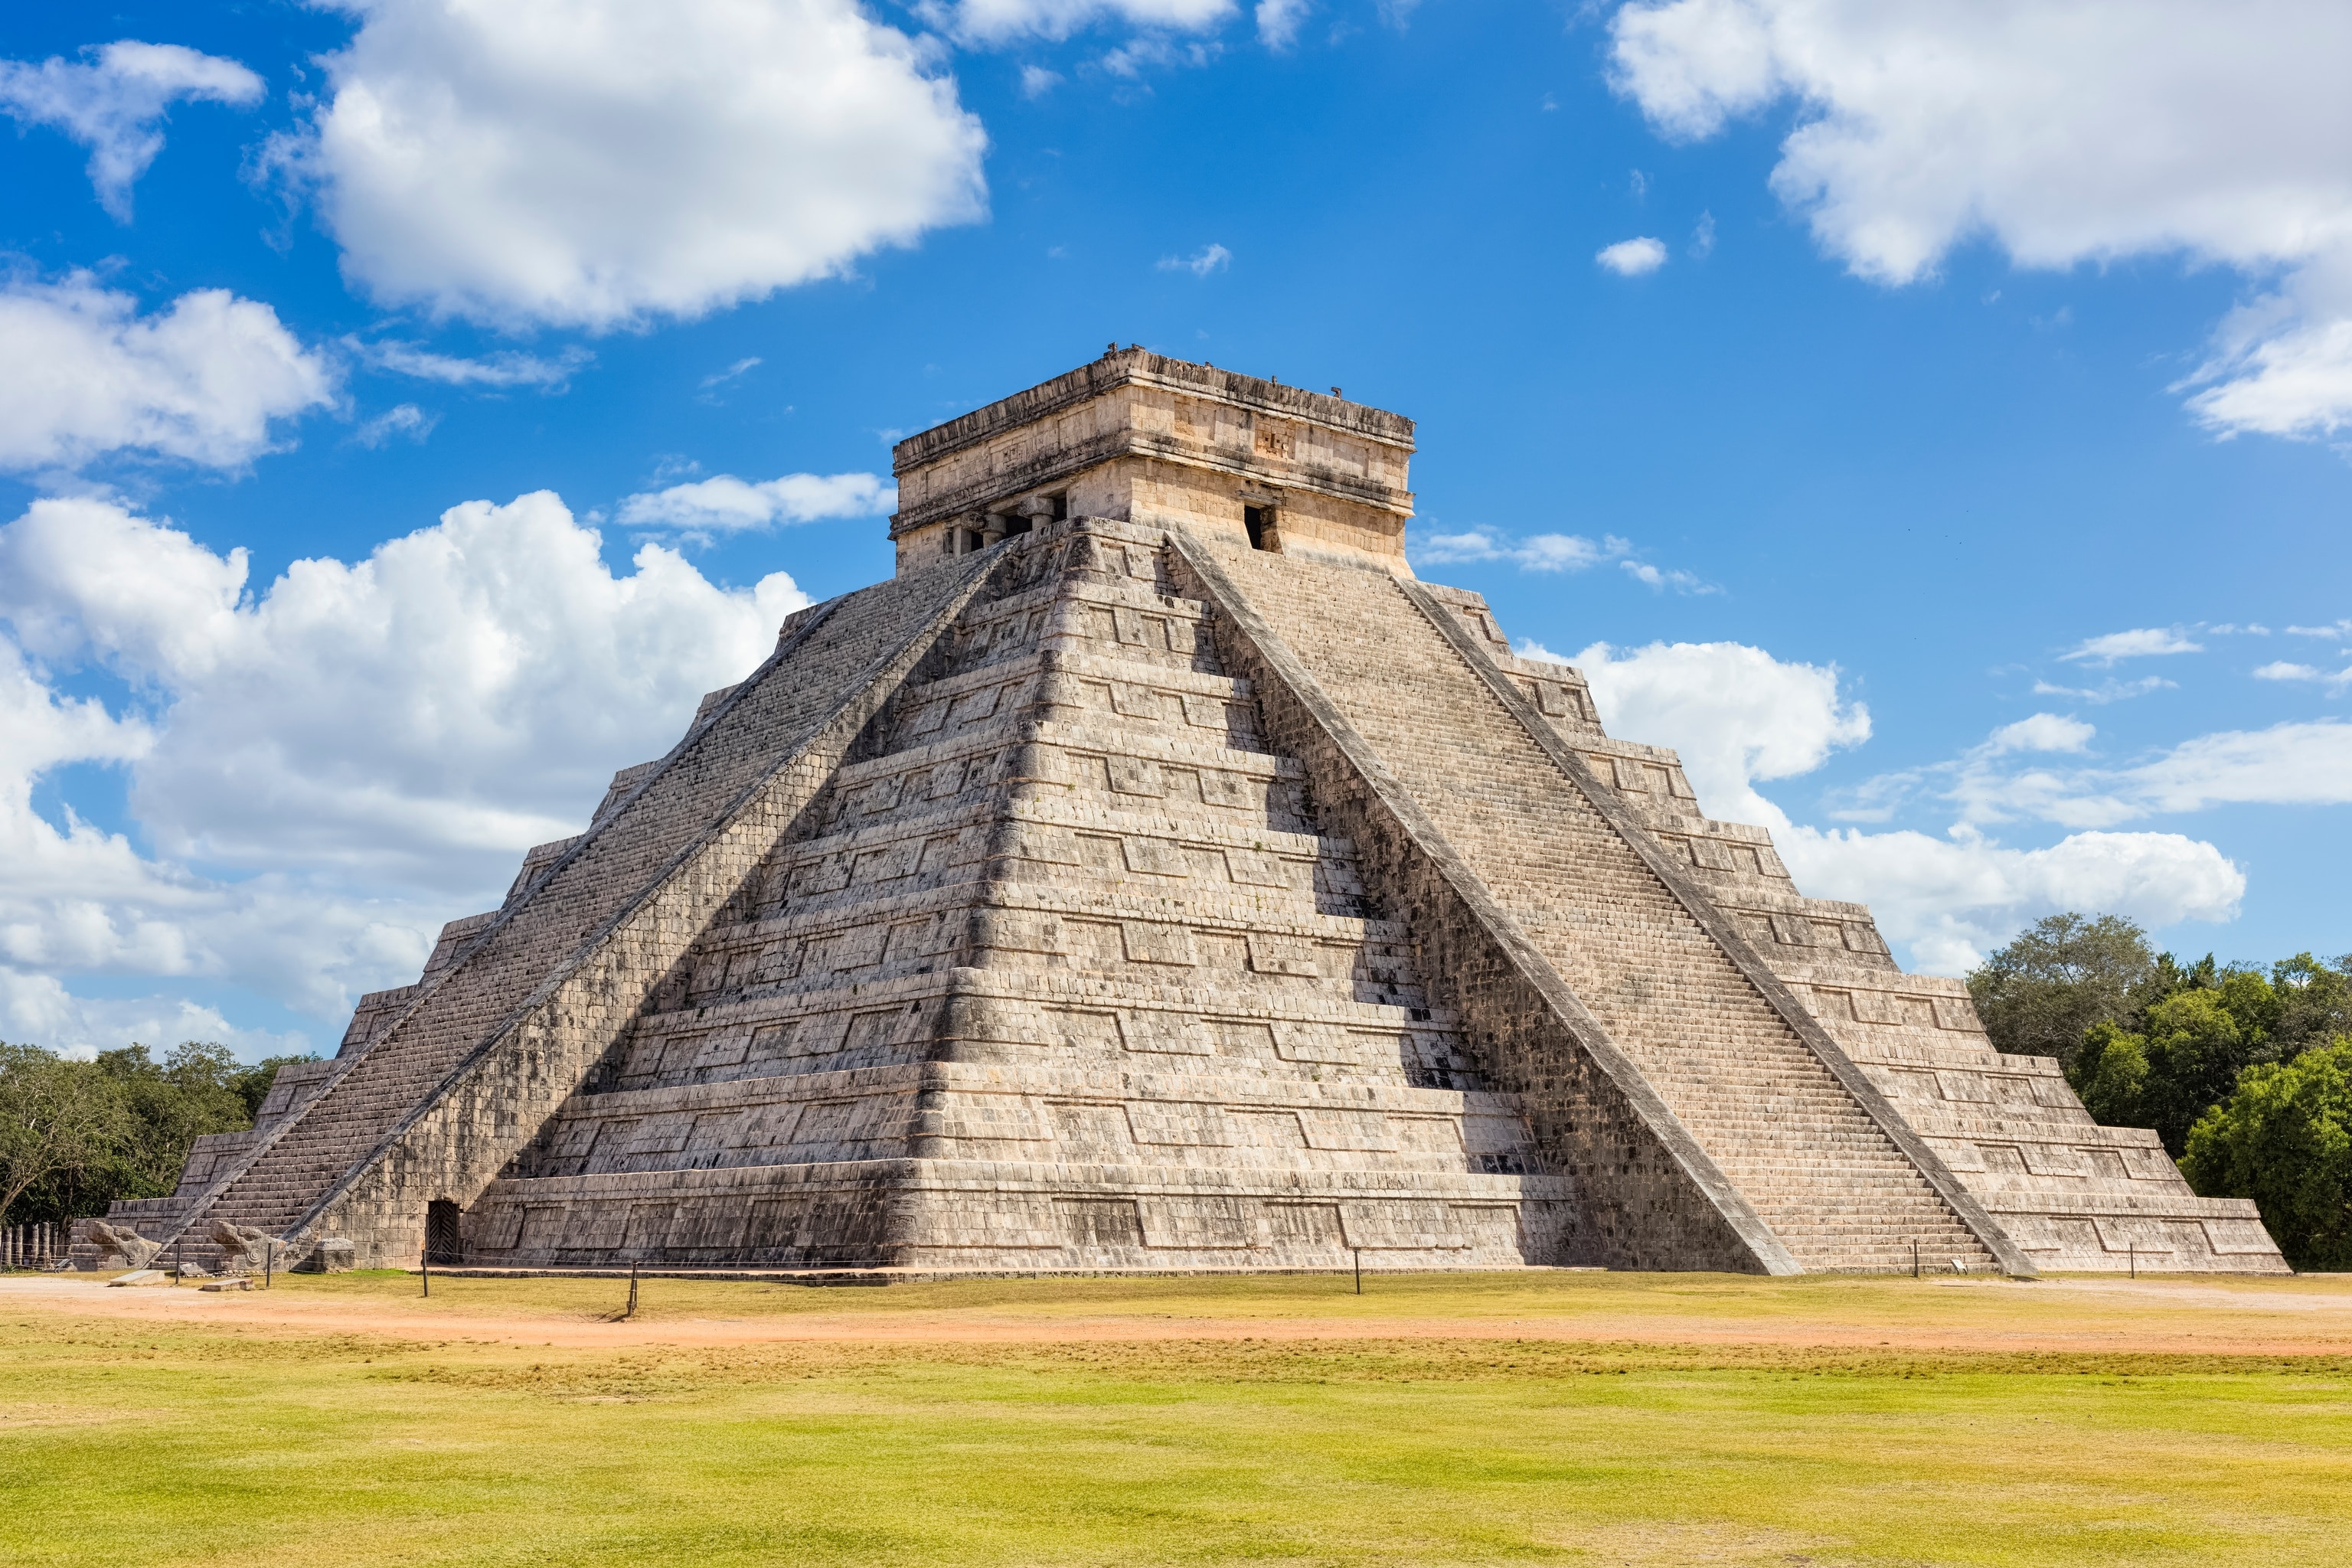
1962 348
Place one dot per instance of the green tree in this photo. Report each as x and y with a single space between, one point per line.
2284 1137
2246 994
2055 979
175 1103
160 1110
2314 1002
2110 1073
2196 1048
2187 1059
57 1119
2170 975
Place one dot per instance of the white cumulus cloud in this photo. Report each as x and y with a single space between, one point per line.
1951 900
2065 130
402 419
40 1008
1551 552
2143 642
1278 21
1534 552
2043 732
1633 258
1201 263
504 369
726 503
1002 21
597 163
201 381
2108 690
2284 670
1735 713
1658 579
328 766
2287 764
112 101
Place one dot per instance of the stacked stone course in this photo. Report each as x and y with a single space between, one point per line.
1153 875
2009 1129
1826 1178
1059 973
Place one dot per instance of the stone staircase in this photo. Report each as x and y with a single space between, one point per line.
1059 971
451 1080
1827 1178
1194 889
2071 1194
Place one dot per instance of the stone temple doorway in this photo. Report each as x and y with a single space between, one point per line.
444 1242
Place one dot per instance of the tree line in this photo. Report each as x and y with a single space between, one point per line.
2244 1072
75 1136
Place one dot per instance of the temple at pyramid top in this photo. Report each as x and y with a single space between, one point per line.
1152 874
1140 437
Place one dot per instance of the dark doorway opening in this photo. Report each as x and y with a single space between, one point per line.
1256 519
444 1244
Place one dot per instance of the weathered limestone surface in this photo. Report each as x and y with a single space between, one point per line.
1140 437
1154 875
2070 1194
1826 1177
465 1070
1060 972
118 1242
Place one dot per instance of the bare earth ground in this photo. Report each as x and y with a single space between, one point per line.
2310 1315
1536 1418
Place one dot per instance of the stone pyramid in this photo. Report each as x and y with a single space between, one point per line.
1154 875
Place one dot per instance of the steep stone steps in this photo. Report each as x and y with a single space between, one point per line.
1705 1038
1126 933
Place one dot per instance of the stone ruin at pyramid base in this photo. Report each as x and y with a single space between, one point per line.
1154 875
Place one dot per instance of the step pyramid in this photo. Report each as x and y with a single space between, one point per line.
1154 875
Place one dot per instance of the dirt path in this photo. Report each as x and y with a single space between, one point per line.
2096 1316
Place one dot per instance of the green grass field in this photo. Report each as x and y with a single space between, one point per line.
1124 1422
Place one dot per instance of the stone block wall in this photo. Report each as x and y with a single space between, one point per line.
1140 438
2068 1193
1118 897
1817 1162
1060 971
502 1030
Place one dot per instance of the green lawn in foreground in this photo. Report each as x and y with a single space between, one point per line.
132 1443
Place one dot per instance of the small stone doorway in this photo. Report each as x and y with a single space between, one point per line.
445 1242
